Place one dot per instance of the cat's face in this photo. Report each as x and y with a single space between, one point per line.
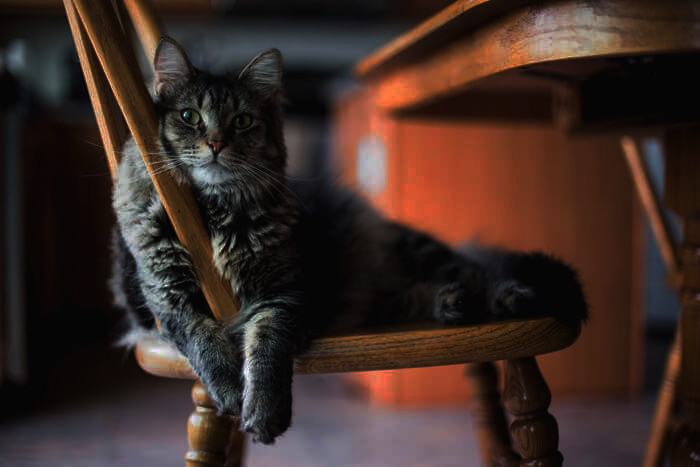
221 130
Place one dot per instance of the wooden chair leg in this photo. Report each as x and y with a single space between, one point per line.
489 420
214 440
534 430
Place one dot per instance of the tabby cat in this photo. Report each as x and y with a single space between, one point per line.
303 258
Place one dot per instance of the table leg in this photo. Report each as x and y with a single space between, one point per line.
683 196
651 202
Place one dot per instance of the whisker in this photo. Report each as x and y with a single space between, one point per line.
272 180
280 182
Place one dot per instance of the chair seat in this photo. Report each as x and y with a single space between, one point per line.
395 347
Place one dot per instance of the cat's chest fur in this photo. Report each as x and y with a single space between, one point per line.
245 233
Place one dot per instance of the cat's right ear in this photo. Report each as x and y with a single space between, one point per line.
170 66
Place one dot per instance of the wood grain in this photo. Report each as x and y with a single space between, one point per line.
404 347
542 32
120 68
430 34
534 430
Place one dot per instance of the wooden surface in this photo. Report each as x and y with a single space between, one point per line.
444 26
120 67
521 48
407 347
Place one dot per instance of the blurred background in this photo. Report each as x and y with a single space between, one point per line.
67 394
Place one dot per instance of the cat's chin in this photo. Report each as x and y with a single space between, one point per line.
210 174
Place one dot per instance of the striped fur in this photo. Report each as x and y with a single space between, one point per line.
302 257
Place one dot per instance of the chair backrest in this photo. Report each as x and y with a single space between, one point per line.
112 73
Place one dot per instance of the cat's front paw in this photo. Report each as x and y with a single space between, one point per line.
511 299
266 414
454 304
227 396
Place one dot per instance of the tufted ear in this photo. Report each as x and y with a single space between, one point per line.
264 72
170 65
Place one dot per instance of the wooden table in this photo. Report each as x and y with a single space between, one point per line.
627 66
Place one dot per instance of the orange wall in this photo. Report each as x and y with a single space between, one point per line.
524 188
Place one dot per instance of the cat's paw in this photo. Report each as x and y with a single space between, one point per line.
266 414
455 305
227 397
511 299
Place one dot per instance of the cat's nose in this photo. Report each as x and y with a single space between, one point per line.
216 146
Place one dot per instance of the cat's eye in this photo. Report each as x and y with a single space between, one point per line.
191 116
242 121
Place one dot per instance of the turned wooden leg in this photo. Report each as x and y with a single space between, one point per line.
682 194
489 420
214 440
534 430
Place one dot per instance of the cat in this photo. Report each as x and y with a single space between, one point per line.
302 257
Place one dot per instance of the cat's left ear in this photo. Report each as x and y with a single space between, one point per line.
170 65
264 72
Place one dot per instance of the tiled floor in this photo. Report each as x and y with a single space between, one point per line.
122 417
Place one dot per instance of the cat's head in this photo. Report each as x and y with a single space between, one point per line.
220 129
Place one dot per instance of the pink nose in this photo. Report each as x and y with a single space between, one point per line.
216 146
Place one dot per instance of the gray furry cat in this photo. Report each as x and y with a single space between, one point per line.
302 258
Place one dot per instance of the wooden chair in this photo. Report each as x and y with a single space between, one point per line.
101 37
